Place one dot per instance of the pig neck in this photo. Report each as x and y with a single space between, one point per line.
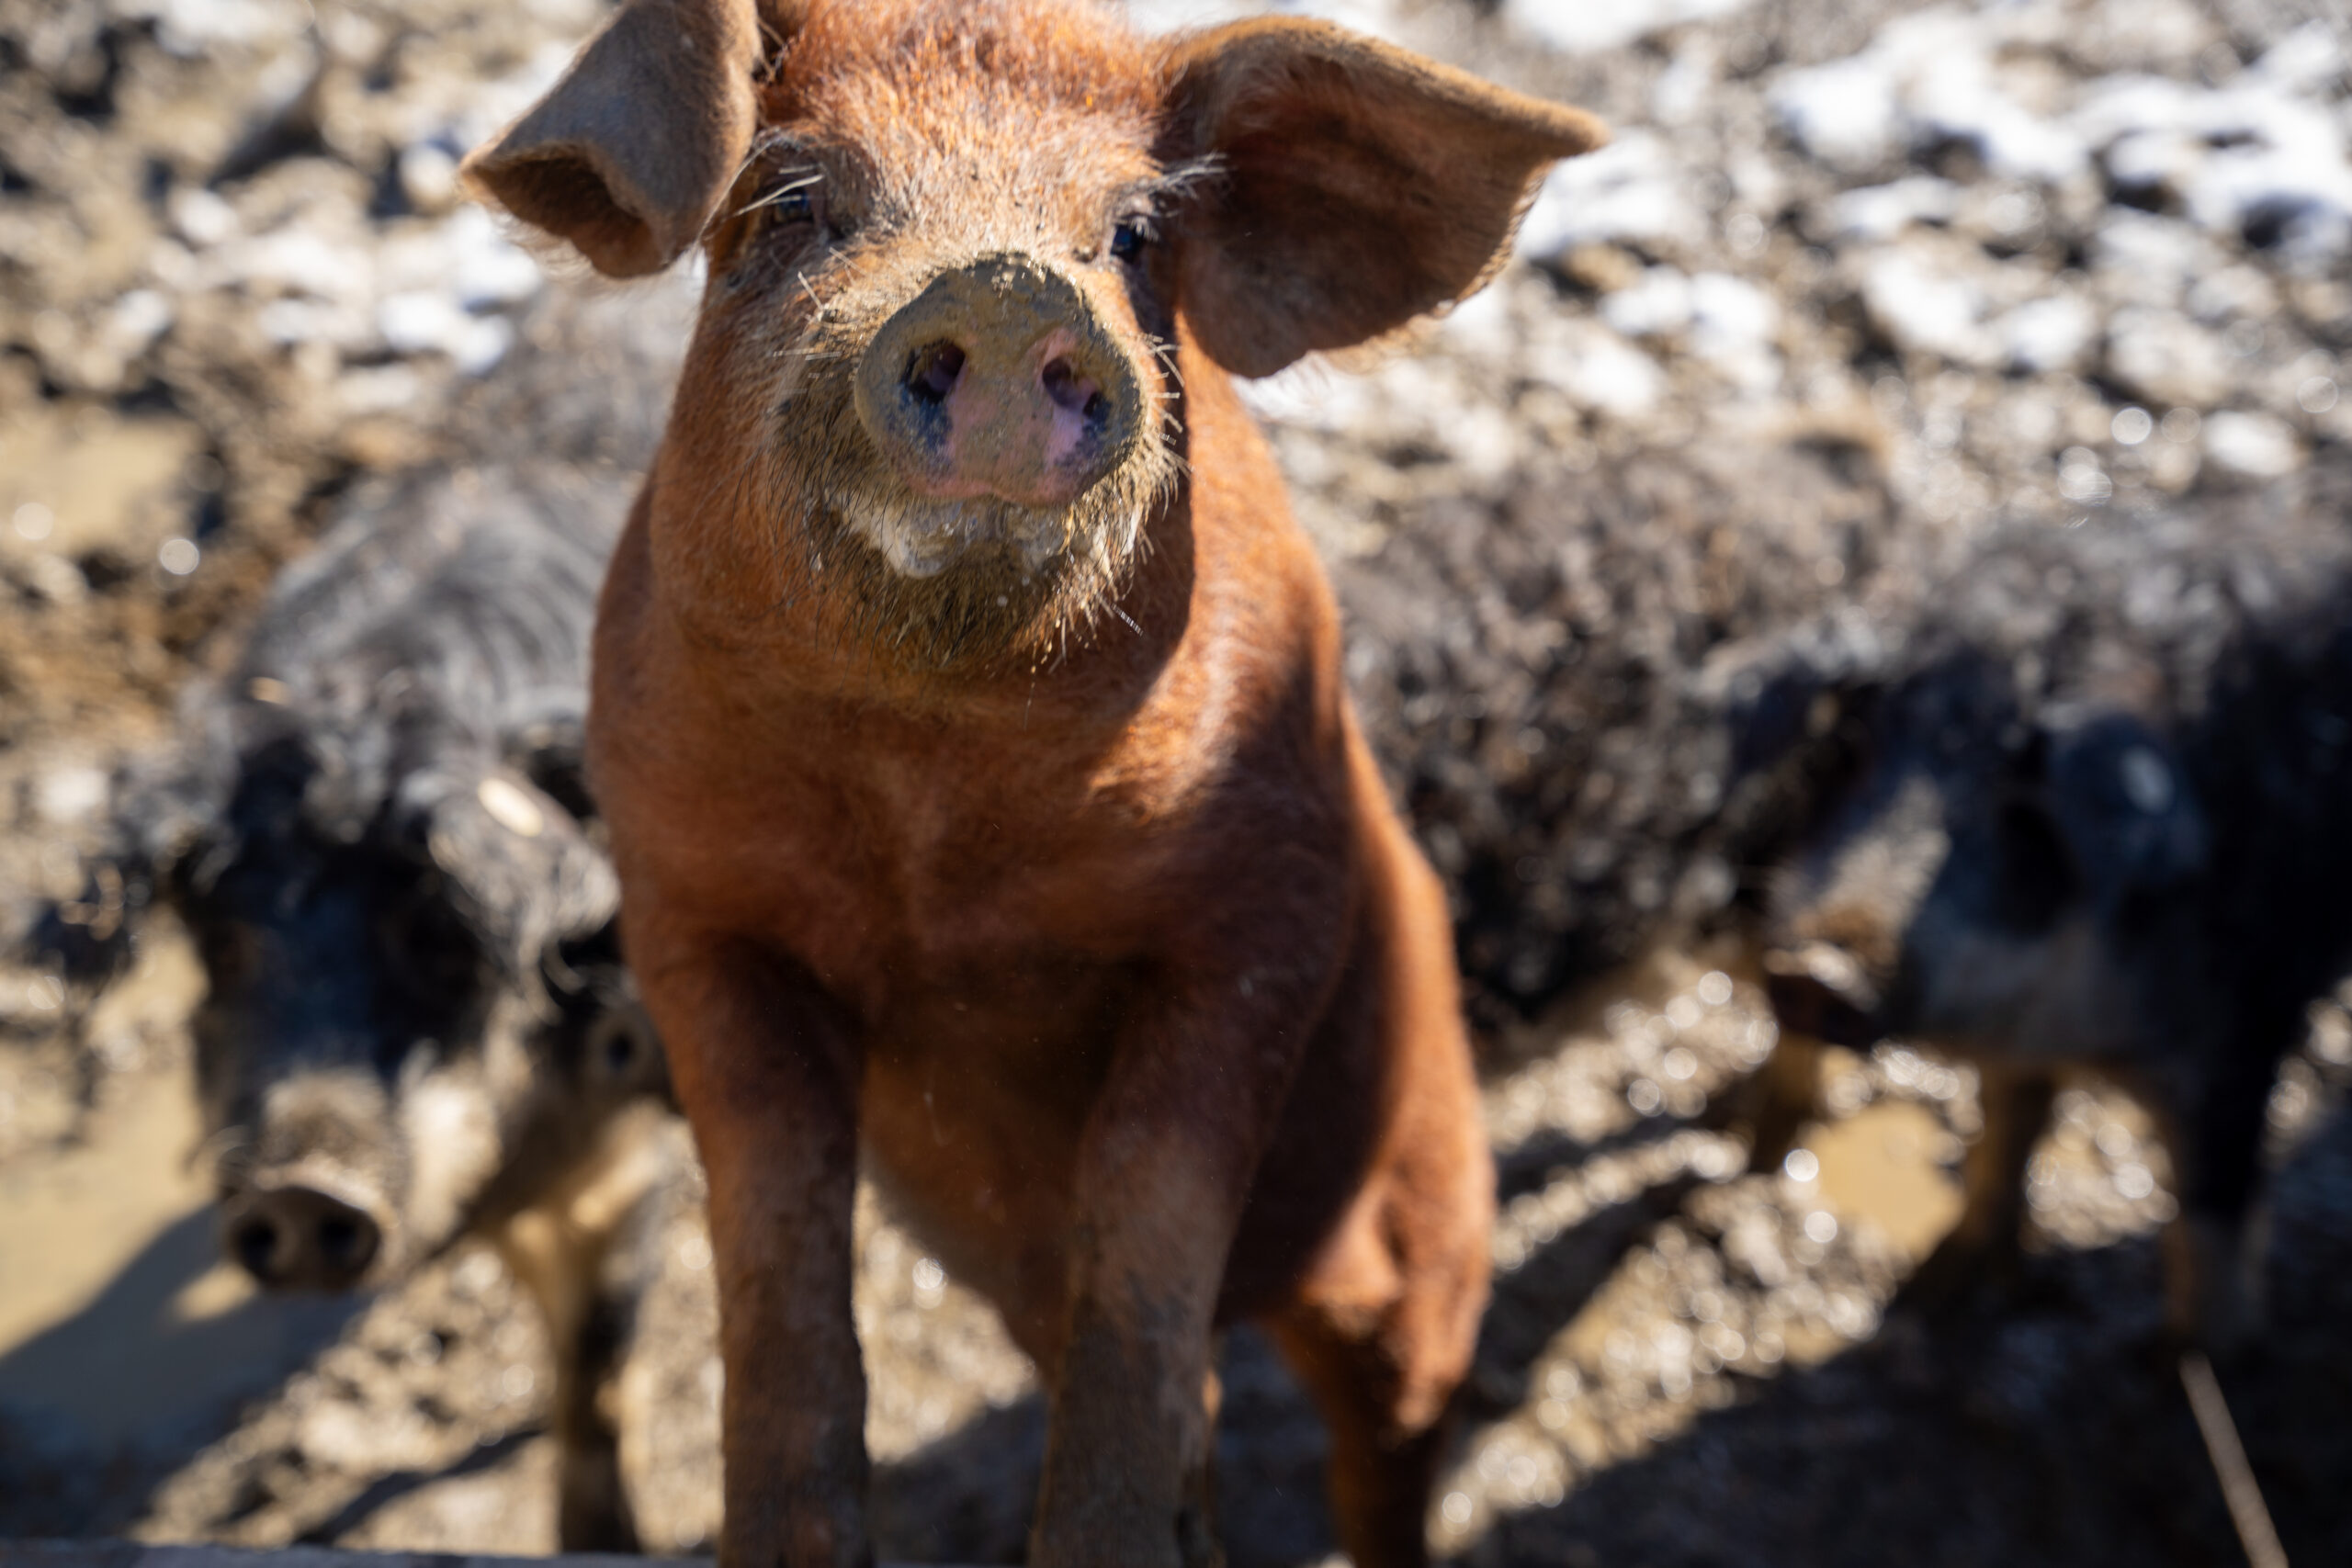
768 642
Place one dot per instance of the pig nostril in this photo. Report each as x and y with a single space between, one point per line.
934 372
338 1237
1071 391
347 1242
256 1247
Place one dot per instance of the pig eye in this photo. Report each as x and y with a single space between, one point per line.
793 200
1130 238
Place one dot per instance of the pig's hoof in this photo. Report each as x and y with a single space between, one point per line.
1196 1542
591 1527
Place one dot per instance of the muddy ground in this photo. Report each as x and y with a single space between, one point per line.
236 282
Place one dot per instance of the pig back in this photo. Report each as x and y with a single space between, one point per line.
1535 674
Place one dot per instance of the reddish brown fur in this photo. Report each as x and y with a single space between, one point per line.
1072 892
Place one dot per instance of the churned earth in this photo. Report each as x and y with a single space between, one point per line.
2047 260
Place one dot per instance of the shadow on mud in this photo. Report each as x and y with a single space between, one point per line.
2047 1426
2044 1427
989 1467
399 1484
100 1407
1271 1443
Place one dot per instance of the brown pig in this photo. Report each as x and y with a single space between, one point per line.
967 713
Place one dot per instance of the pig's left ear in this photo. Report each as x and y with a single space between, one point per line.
1354 186
522 871
629 155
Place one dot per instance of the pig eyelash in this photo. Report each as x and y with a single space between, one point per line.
791 200
1138 228
1175 183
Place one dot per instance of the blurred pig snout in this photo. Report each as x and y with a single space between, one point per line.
1000 380
296 1235
306 1179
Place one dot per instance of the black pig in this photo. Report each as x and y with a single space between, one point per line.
1702 693
1539 679
2093 816
417 1027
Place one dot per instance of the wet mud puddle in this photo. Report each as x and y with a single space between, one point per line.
1885 1165
119 1325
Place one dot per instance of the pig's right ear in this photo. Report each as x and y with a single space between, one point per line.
1353 185
629 155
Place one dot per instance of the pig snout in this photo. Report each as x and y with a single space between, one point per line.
307 1176
1000 380
295 1236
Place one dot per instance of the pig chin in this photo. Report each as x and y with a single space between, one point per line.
958 582
922 539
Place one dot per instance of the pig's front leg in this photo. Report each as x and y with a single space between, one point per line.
1162 1173
766 1066
2213 1107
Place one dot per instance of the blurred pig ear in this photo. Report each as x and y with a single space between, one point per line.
627 156
519 868
1354 186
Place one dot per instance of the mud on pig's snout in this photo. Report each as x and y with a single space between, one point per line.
999 380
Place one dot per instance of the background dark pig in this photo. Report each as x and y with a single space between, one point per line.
1627 709
1544 681
969 720
416 1025
2092 814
